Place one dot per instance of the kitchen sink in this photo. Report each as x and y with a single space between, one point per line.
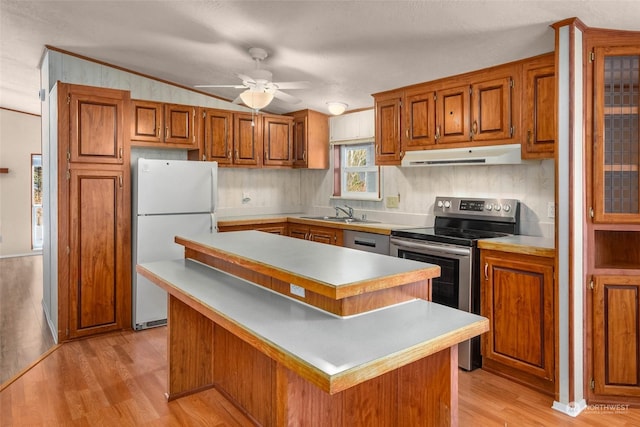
341 219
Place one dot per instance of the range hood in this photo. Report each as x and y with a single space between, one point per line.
490 155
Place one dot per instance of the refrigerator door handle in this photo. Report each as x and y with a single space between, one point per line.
214 188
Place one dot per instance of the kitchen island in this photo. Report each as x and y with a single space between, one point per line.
286 362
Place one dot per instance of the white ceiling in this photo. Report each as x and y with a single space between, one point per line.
347 50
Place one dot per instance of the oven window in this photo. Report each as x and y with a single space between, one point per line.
444 289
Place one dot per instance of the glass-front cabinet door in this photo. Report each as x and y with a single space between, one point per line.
616 179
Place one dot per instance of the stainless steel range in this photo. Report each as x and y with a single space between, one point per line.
453 245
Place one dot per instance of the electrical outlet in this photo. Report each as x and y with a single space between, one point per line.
551 210
296 290
392 201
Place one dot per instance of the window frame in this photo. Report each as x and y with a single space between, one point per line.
337 150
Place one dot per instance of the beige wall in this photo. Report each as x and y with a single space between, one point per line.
19 138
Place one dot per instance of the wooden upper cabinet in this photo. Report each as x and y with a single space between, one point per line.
247 139
491 110
277 134
387 138
419 116
310 140
147 121
616 139
163 125
300 141
453 114
96 120
218 135
538 108
180 124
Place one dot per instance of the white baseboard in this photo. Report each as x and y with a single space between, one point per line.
573 409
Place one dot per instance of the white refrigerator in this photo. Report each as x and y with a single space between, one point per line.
170 197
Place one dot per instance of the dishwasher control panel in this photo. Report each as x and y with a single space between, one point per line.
370 242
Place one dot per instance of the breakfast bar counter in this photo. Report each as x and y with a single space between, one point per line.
285 362
339 280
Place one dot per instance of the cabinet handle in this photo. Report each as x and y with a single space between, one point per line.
158 132
166 132
304 155
120 152
437 132
406 133
529 136
486 271
474 128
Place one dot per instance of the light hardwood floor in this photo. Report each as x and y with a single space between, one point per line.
119 379
24 334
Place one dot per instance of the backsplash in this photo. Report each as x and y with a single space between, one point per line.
531 182
264 191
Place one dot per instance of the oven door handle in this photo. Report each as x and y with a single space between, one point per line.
447 250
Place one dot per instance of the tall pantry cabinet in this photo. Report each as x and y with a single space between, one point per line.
613 167
94 214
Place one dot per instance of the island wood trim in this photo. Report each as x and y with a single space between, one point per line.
321 288
342 307
329 383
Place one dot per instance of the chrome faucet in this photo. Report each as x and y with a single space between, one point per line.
349 213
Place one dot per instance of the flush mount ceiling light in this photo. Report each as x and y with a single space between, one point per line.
256 99
336 108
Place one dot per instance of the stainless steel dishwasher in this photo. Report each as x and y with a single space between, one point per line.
370 242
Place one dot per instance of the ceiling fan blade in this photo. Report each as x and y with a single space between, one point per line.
286 97
233 86
238 100
292 85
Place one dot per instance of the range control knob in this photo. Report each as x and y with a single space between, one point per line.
497 208
447 204
506 207
440 204
489 206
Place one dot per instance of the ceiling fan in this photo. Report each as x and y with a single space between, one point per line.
259 87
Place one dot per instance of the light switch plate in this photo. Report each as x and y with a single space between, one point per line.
551 210
392 201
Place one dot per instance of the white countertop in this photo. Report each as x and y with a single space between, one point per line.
329 265
328 344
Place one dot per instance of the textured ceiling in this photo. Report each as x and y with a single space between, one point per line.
347 50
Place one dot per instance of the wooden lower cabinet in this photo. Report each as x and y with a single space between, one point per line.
274 228
616 338
328 235
99 273
517 296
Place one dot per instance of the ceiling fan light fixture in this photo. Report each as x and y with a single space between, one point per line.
336 108
256 99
